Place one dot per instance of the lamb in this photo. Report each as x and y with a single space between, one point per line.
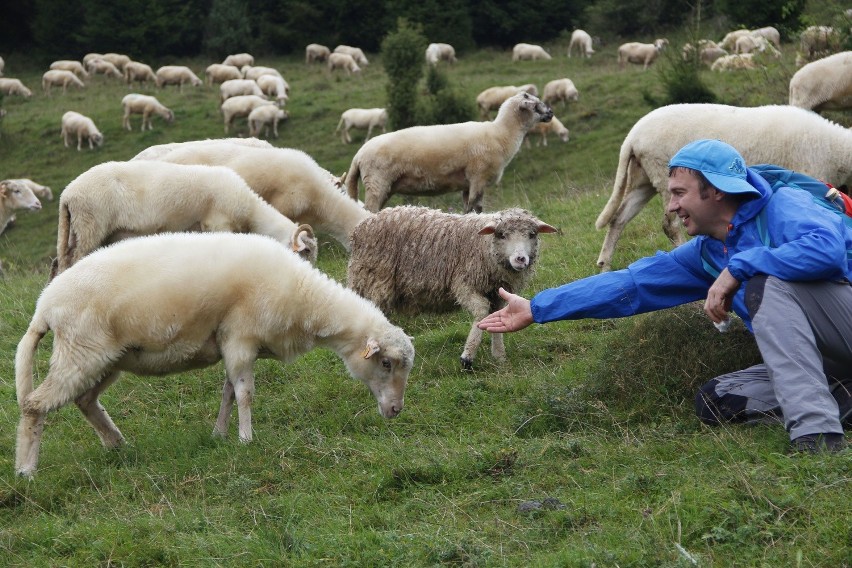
355 52
177 75
436 52
640 53
105 68
824 84
236 87
288 179
414 259
788 136
734 62
555 126
74 123
583 41
239 60
40 191
274 86
493 98
117 200
559 90
528 52
146 105
141 72
10 86
257 300
264 116
159 150
219 73
59 77
316 53
428 160
368 118
69 65
15 196
241 105
343 61
117 59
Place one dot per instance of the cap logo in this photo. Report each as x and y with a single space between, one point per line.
737 167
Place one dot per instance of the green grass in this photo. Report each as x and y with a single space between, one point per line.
594 414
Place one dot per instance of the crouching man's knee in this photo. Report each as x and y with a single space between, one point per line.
754 293
714 409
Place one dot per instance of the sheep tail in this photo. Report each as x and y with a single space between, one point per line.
352 178
62 242
25 356
619 187
339 125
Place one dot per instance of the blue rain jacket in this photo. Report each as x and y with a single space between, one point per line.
807 242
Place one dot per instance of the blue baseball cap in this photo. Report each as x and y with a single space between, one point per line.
720 163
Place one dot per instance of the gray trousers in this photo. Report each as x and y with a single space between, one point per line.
804 333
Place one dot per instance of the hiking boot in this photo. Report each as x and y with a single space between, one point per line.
818 443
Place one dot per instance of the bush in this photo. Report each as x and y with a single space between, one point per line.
443 104
227 30
402 55
681 78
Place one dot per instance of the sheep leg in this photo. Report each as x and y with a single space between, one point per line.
80 141
636 199
473 197
671 223
97 416
30 430
369 131
239 359
479 307
221 427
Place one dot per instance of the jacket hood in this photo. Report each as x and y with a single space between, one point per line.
750 208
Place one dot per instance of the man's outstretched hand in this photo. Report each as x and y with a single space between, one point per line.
515 316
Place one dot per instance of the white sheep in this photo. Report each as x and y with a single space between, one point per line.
236 87
91 56
555 126
414 259
493 98
136 71
105 68
288 179
265 116
356 53
559 90
730 40
117 59
777 134
15 196
177 75
755 44
640 53
253 73
429 160
734 62
824 84
316 53
157 305
70 65
157 151
219 73
239 60
274 86
343 61
770 33
117 200
528 52
241 106
368 118
39 190
818 41
76 124
10 86
582 41
436 52
146 105
59 77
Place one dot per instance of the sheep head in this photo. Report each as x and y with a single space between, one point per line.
515 238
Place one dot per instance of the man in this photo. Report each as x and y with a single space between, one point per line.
794 294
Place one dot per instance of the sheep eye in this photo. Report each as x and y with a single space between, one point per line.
500 235
533 234
386 363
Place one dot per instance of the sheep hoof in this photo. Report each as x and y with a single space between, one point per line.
467 364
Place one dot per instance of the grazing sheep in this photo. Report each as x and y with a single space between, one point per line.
824 84
219 73
429 160
560 90
493 98
709 54
146 105
105 68
355 52
239 60
788 136
274 86
436 52
755 44
159 150
57 77
528 52
74 123
253 73
368 118
264 116
117 200
241 106
730 39
818 41
414 259
640 53
117 59
343 61
158 305
90 57
288 179
40 191
9 86
771 34
177 75
15 196
583 42
316 53
734 62
135 71
236 87
69 65
555 126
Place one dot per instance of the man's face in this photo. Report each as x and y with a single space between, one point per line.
699 216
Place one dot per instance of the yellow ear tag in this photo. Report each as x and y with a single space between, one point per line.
366 354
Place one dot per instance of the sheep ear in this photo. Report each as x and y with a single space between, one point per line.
487 229
371 348
545 228
3 187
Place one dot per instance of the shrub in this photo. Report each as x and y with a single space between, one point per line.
402 55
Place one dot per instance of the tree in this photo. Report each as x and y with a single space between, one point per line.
227 29
403 56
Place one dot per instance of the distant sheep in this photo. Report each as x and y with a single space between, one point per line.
219 73
9 87
59 77
788 136
158 305
582 41
253 73
105 68
275 87
83 127
69 65
265 116
436 52
134 72
755 44
414 260
528 52
237 87
91 57
356 53
15 196
117 59
643 54
555 126
368 118
146 105
818 41
177 75
241 106
239 60
493 98
316 53
559 90
343 61
730 40
824 84
117 200
771 34
429 160
41 191
734 62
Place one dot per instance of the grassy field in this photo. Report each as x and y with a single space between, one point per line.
582 450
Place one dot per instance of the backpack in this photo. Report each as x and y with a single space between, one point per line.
823 194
